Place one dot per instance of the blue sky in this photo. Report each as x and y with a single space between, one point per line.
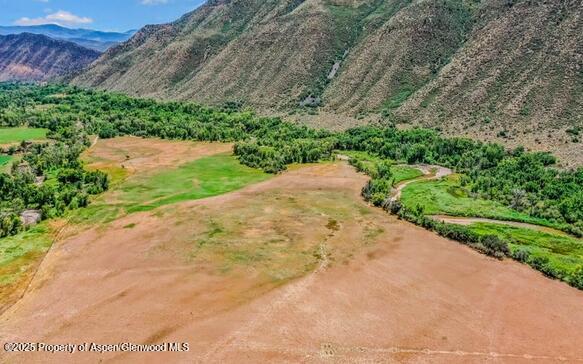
112 15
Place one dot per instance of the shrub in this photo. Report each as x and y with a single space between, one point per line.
521 255
576 279
495 245
10 224
376 191
542 264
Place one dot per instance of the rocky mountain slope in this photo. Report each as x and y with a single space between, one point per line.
510 70
33 57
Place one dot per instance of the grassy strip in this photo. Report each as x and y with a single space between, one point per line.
561 255
405 173
447 197
17 135
19 256
202 178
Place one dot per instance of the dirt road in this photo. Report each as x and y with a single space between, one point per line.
405 295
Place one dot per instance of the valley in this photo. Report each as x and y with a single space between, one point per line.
291 181
248 236
294 267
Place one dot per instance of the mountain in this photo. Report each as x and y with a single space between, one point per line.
509 70
87 38
35 57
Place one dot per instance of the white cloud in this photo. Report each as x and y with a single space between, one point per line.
153 2
61 17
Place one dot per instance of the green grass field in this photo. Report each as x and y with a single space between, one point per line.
17 135
202 178
564 253
15 247
446 197
404 173
5 162
19 256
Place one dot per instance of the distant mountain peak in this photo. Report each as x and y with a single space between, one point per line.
93 39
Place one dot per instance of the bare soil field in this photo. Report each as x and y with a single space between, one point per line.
294 269
139 155
122 158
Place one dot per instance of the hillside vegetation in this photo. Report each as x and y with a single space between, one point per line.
506 70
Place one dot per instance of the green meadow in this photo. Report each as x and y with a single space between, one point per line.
17 135
447 197
205 177
19 257
202 178
404 173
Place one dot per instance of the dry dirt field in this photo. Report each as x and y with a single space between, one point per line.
294 269
138 155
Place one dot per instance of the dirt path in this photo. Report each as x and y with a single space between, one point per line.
405 296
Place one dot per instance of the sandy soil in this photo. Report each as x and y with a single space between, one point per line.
407 296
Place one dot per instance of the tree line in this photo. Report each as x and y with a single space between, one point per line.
522 180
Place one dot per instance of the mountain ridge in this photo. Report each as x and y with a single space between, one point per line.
36 57
490 69
88 38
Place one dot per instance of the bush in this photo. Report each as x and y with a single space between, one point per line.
495 245
378 199
10 224
521 255
376 191
576 279
543 265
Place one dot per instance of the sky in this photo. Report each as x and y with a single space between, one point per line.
107 15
